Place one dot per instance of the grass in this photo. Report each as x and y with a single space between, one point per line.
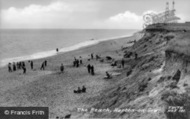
180 44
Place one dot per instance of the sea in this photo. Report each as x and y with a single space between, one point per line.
25 44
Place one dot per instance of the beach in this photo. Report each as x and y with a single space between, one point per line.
150 79
26 44
53 89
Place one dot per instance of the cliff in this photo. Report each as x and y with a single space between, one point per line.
155 83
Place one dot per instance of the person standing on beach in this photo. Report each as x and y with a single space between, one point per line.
23 64
92 56
24 69
88 68
9 67
77 63
92 70
14 66
123 63
45 63
62 68
80 60
31 64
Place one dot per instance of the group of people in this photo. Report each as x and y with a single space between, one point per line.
19 65
44 64
97 56
77 62
80 90
90 69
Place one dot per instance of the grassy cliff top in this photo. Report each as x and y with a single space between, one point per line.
180 44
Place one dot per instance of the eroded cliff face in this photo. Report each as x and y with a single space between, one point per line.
155 84
175 61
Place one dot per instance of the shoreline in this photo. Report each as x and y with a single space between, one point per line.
155 77
51 88
50 53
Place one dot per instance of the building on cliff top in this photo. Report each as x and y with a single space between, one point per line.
168 16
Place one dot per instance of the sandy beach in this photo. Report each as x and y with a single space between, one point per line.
155 78
53 89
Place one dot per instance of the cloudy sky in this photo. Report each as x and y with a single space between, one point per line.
92 14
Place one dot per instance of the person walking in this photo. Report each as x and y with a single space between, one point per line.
42 66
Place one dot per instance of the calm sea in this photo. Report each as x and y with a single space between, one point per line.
27 44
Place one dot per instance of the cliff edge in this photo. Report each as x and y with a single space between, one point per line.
155 82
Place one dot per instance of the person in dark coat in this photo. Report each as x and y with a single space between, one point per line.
88 68
9 67
24 69
31 64
45 63
80 60
62 68
92 56
14 66
42 66
92 70
23 64
77 63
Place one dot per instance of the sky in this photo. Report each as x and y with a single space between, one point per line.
83 14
